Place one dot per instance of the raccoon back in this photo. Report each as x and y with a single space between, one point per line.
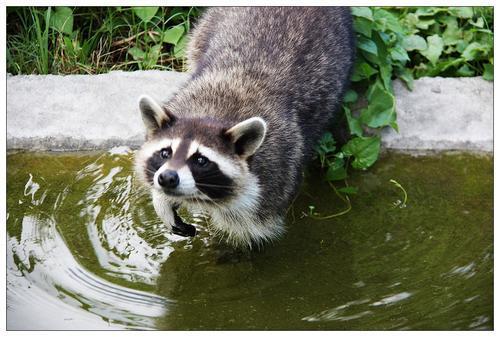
303 56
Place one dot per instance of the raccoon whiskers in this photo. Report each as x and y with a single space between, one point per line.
210 200
149 170
214 185
210 176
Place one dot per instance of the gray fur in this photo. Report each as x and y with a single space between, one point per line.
288 65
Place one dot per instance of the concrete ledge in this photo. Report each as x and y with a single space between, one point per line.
443 114
82 112
88 112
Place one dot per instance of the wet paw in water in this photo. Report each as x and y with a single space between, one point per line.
181 228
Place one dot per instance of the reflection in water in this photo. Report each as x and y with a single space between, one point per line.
46 286
338 313
389 300
43 269
86 251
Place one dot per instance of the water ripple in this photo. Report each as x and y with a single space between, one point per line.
51 277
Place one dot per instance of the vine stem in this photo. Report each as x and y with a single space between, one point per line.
402 189
346 200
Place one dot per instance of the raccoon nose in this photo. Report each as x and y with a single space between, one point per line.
168 178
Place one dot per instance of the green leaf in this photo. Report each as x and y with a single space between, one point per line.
414 42
488 72
326 144
137 53
336 170
441 66
173 35
361 71
428 11
407 77
378 83
425 23
381 110
410 22
363 26
386 76
348 190
180 47
398 53
367 45
381 39
152 56
68 45
465 71
145 13
62 20
362 12
350 96
365 151
462 12
468 36
461 45
395 126
354 123
474 51
452 34
386 21
479 23
434 48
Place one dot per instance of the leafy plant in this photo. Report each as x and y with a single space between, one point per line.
380 57
449 41
65 40
404 43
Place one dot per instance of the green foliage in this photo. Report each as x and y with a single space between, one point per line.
364 150
145 13
448 41
62 20
404 43
67 40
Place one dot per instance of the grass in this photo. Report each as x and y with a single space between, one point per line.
92 40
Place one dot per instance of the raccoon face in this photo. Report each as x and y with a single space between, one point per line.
196 158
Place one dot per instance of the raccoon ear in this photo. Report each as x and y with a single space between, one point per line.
248 136
153 115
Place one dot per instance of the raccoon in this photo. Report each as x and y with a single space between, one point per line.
265 83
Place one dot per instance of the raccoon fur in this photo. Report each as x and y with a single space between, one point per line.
265 84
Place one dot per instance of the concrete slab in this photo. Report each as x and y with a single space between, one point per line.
87 112
443 114
82 112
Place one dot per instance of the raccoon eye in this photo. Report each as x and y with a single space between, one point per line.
166 153
201 161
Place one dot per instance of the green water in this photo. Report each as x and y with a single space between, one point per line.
85 250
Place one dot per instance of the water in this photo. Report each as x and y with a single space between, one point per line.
85 250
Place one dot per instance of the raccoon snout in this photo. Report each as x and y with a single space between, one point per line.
169 179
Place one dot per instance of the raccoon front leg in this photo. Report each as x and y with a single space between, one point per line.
167 211
180 227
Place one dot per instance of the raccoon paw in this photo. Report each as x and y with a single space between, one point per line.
180 227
